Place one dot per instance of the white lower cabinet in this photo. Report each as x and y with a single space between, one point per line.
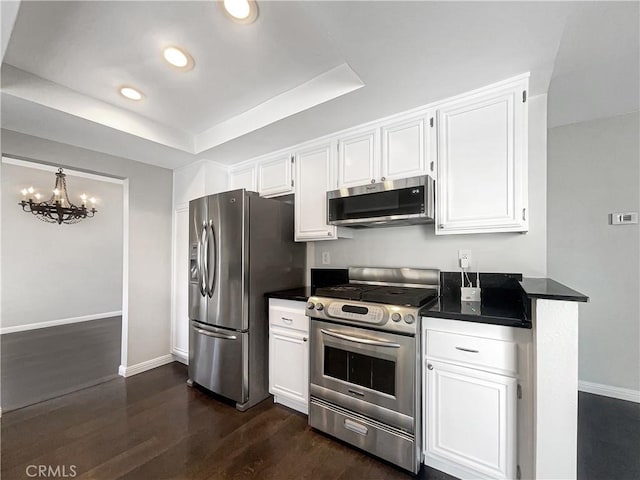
472 378
289 353
471 419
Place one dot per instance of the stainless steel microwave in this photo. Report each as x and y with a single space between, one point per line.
408 201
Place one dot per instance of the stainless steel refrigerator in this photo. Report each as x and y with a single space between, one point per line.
241 246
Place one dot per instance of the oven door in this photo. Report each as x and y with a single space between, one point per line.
370 372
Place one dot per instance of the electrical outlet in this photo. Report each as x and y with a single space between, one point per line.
326 258
464 257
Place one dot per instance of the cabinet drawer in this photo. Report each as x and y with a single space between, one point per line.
289 318
477 352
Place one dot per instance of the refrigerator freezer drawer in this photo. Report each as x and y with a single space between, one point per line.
219 361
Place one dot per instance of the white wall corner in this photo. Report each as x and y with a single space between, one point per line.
555 343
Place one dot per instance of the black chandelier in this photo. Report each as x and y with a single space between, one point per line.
58 209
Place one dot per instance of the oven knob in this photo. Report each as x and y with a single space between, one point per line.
310 305
319 306
396 317
409 318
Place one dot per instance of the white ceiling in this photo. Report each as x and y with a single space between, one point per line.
597 71
302 70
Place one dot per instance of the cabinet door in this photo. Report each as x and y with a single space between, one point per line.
404 149
180 314
274 176
244 177
471 419
289 364
314 176
482 163
358 159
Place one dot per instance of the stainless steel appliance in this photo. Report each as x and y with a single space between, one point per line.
365 360
408 201
241 246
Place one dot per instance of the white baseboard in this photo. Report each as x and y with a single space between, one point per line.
609 391
299 406
62 321
144 366
180 356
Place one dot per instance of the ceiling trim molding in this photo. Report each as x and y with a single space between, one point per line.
21 84
37 165
327 86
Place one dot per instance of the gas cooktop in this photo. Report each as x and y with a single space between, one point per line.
390 295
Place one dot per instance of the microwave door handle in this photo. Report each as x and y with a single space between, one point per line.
204 288
365 341
212 267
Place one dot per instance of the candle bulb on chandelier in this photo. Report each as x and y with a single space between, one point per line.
84 198
24 192
30 190
38 196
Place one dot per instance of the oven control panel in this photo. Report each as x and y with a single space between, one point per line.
359 313
385 317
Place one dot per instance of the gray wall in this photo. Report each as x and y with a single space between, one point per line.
75 269
149 264
418 246
593 171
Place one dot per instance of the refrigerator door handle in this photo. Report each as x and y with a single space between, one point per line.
204 260
211 273
214 334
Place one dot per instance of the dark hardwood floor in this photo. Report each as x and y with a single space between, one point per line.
608 438
152 426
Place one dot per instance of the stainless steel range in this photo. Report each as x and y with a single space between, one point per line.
365 360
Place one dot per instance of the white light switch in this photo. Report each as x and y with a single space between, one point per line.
623 218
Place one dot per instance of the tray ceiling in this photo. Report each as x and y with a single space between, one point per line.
302 70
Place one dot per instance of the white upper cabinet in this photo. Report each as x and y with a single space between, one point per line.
243 177
406 147
274 176
314 177
358 159
482 162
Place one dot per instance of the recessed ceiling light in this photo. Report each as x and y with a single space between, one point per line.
242 11
130 93
178 58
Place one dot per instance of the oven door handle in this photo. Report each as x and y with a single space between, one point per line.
366 341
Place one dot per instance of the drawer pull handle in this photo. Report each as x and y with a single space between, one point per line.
355 427
356 393
287 320
304 339
467 350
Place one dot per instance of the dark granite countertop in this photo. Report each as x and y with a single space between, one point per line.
551 290
505 300
299 294
502 301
